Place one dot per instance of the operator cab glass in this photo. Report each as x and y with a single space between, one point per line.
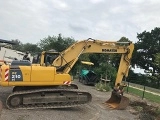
49 57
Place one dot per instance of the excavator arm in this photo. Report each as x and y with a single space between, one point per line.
68 57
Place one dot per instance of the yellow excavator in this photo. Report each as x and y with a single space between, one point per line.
47 83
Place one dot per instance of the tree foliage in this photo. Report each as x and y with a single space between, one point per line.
18 46
157 60
31 48
146 49
57 43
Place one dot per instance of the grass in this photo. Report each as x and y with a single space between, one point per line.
148 96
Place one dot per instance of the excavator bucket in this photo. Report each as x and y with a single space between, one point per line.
117 102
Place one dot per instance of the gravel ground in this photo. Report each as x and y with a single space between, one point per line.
95 110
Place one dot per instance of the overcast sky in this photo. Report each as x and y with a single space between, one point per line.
32 20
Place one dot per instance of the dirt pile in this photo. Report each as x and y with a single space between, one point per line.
145 111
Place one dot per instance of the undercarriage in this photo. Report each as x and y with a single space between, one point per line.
47 97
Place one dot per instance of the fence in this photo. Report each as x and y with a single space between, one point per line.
144 91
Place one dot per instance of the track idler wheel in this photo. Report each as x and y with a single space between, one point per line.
15 101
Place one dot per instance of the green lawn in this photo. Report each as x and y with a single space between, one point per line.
148 96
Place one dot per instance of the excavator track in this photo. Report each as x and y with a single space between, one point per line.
47 98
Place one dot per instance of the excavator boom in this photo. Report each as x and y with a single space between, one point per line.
68 57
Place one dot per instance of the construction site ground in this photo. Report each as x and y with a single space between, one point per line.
96 110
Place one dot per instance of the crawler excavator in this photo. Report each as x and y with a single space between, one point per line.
47 83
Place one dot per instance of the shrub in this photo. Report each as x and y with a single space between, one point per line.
102 86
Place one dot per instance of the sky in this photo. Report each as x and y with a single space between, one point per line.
32 20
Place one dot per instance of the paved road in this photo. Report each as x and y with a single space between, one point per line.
96 110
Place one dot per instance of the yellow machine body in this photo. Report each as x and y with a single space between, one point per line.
32 76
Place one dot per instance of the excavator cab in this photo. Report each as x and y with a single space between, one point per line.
45 58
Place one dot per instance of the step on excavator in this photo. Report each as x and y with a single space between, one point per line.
46 83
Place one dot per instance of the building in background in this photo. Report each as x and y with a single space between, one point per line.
9 55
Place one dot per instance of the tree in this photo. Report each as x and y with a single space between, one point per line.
18 46
146 48
157 74
157 60
31 48
57 43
